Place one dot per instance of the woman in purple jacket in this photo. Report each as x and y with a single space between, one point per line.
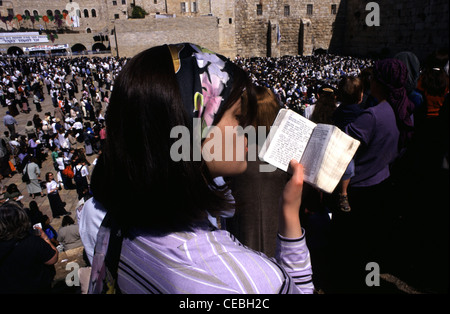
383 131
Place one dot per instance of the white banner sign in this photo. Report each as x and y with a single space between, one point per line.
24 39
19 34
46 47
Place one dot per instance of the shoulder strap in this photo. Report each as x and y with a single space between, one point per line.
114 249
106 258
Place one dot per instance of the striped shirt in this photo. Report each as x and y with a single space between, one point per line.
207 261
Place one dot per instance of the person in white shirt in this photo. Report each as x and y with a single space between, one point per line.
90 217
81 175
56 204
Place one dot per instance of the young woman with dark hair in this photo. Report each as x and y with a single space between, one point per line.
167 244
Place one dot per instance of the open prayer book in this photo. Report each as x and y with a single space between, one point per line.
323 149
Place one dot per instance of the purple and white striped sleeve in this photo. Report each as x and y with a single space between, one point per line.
293 255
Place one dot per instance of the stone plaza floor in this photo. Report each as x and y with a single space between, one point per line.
68 196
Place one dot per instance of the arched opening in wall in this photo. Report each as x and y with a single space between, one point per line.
98 47
14 51
78 49
320 51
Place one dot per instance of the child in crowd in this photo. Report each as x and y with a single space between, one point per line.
350 95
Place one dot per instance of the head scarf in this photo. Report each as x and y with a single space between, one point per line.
205 79
393 74
412 64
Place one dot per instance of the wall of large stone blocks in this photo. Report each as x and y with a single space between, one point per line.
418 26
233 27
255 34
223 30
89 26
151 7
134 36
226 23
94 24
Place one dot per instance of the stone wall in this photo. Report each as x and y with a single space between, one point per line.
256 34
234 27
418 26
237 28
152 7
226 23
137 35
94 20
94 24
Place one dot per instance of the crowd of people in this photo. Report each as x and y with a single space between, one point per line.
63 136
297 79
79 90
394 107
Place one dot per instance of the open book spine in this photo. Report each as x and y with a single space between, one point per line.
313 157
339 152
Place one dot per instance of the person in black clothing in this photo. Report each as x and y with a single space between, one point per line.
26 259
34 213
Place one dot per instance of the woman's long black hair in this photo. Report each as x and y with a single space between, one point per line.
135 178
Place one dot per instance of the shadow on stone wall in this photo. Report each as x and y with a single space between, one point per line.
417 26
338 30
269 40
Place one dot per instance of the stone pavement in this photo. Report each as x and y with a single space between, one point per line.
68 196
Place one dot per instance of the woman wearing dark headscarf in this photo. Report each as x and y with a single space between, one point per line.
392 74
412 64
169 244
380 129
384 129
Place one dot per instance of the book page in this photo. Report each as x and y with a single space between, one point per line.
315 151
339 152
288 140
276 124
